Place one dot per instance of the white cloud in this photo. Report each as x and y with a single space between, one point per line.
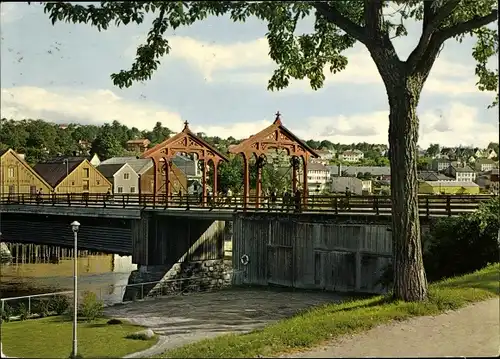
248 63
104 106
90 107
457 124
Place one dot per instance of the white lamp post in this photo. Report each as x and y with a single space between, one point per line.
75 226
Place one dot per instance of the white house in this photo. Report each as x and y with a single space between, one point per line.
485 164
352 156
318 176
461 173
123 177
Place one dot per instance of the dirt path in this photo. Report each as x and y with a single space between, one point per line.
471 331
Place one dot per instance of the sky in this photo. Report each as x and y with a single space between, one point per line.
216 79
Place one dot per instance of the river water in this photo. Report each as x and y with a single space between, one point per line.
102 274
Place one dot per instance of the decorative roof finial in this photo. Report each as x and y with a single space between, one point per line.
186 125
278 118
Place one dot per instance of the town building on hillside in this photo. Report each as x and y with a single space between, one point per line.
378 173
355 185
72 175
485 164
318 177
18 177
139 145
485 153
433 176
440 164
325 156
489 181
460 173
352 156
448 187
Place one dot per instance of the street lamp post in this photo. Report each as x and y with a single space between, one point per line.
75 226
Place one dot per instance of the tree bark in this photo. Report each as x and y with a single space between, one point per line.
410 282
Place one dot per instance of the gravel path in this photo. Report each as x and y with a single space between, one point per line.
186 319
471 331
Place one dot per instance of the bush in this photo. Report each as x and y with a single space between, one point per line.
91 308
7 313
459 245
59 304
23 311
42 308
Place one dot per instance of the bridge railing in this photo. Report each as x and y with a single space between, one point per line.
373 204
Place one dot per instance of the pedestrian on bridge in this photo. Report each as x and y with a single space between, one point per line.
287 199
297 200
39 196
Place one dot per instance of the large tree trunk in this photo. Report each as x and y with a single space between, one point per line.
410 283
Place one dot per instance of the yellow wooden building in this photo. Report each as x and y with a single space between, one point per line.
18 177
448 187
73 175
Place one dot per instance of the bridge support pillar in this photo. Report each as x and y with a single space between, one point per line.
175 253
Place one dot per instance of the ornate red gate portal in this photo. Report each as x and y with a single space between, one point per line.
277 137
185 142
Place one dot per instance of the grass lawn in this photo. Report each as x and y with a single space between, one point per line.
323 323
52 338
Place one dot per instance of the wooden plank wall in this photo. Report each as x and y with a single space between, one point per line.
327 256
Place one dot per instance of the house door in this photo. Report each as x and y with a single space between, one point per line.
12 189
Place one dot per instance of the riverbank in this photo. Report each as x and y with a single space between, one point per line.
52 338
328 322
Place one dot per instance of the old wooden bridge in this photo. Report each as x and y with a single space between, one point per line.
429 205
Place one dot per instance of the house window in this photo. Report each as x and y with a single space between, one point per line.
120 189
72 183
132 189
32 190
85 185
11 172
85 173
126 176
98 182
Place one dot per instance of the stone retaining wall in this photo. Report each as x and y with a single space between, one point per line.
182 277
195 276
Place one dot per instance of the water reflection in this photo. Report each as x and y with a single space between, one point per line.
97 273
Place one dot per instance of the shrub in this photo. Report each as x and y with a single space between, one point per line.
459 245
7 312
42 308
59 304
23 311
91 308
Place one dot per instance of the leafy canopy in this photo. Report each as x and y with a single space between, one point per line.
338 25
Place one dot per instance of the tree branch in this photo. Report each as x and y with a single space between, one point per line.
335 16
373 19
430 24
423 64
467 26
